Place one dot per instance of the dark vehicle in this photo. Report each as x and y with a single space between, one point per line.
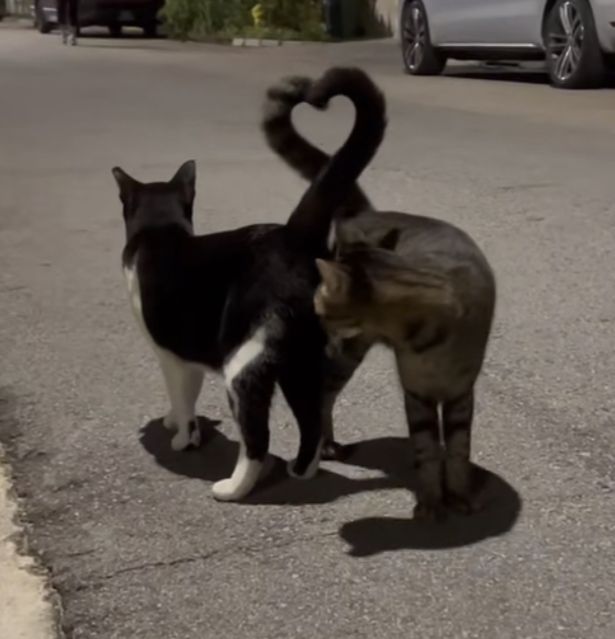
113 14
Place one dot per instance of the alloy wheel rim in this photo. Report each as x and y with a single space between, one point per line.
565 41
415 37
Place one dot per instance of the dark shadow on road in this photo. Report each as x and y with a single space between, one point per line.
512 74
216 458
112 46
8 424
389 455
211 462
501 506
519 77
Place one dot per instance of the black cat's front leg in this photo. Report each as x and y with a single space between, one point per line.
423 422
250 382
457 418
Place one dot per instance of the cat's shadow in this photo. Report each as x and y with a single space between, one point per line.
388 456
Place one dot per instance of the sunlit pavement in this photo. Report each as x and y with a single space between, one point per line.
134 542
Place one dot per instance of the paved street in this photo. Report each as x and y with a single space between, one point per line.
135 545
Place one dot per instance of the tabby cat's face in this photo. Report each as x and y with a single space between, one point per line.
341 316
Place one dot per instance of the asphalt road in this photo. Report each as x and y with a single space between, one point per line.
135 544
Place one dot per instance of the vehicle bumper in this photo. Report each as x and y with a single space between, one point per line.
604 16
116 13
104 13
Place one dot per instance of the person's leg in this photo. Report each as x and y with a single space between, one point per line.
73 9
62 19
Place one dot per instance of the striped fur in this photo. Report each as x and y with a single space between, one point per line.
366 297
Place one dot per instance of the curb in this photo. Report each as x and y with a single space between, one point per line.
255 42
26 609
266 42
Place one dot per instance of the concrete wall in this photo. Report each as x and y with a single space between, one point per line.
18 7
388 10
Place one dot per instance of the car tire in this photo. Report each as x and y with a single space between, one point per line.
115 30
419 55
40 22
574 57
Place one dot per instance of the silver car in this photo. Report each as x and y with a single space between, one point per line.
575 37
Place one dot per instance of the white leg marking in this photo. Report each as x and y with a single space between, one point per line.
242 480
311 470
332 237
169 421
183 379
244 356
328 403
247 470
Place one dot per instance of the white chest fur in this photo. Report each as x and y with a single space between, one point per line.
134 292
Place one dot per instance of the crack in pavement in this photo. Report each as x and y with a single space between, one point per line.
197 558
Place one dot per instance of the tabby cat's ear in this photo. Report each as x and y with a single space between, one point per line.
348 234
417 289
389 240
125 182
335 278
185 179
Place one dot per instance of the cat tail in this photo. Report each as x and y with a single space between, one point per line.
311 219
284 139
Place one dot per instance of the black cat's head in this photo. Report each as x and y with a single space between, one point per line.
157 203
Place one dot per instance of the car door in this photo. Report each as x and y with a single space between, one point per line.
485 22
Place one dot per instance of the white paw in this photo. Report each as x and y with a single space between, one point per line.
311 471
181 440
227 490
241 482
168 421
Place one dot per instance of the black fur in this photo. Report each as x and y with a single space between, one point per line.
203 297
363 237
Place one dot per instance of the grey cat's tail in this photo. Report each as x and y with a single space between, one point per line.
297 152
335 182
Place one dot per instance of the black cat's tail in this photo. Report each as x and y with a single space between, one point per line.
280 133
335 181
297 152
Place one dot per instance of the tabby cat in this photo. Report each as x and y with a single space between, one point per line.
417 284
241 301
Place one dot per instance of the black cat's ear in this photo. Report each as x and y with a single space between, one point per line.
185 179
126 184
335 278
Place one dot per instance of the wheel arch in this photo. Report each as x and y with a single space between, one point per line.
549 4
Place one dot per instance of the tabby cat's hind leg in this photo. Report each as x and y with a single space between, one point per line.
423 422
457 426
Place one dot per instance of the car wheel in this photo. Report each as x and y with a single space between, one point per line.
574 57
420 56
40 22
115 30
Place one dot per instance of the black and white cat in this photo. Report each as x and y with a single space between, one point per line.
241 301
